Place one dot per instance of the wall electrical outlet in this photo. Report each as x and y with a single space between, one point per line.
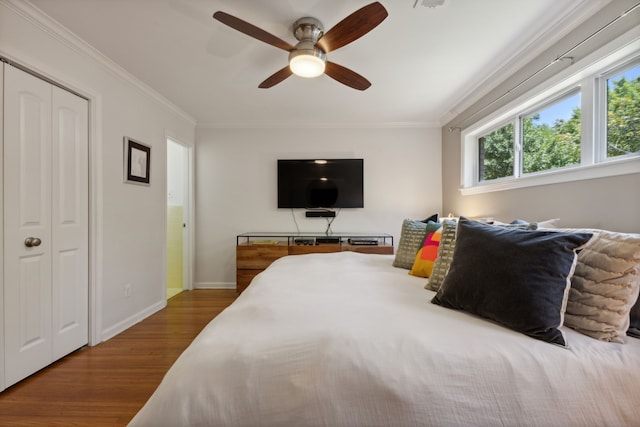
127 290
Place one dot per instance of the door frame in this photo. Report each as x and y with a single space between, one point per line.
188 237
2 382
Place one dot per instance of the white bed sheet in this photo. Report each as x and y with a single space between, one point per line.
345 339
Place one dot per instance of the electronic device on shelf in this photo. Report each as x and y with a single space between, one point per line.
304 241
327 240
363 242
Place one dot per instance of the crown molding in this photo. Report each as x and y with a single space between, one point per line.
324 125
61 34
530 49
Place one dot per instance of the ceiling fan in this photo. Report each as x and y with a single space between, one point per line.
308 58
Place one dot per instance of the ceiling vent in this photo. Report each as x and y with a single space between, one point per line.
429 3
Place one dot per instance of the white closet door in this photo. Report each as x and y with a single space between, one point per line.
27 214
70 214
45 198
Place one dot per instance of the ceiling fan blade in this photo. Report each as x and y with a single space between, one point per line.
276 78
346 76
353 27
251 30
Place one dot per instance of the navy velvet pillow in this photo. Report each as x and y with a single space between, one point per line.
432 218
518 278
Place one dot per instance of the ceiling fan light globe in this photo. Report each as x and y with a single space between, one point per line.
308 63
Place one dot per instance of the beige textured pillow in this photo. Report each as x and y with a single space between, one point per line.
445 254
605 285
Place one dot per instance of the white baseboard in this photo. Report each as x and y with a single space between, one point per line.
214 285
114 330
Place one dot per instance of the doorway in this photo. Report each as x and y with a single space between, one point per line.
179 202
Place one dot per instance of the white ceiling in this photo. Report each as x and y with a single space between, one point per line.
422 62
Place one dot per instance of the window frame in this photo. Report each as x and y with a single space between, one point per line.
602 107
589 77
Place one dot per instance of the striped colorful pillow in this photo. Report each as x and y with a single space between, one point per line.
426 256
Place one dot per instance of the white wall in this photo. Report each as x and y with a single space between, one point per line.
128 221
236 185
611 203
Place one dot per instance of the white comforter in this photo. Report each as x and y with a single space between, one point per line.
345 339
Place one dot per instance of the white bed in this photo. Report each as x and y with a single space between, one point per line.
345 339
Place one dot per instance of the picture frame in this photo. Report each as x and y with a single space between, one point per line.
137 162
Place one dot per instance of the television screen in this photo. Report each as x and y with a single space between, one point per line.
322 183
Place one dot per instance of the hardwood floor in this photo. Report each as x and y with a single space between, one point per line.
107 384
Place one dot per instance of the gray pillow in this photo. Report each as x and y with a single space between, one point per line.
518 278
411 238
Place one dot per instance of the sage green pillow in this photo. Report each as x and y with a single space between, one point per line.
411 238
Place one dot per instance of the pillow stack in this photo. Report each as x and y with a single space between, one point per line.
418 246
536 281
448 243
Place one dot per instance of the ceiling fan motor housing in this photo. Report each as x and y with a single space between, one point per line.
308 30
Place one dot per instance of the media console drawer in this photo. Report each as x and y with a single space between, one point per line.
369 249
256 256
314 249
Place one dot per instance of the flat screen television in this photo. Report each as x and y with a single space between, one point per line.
321 183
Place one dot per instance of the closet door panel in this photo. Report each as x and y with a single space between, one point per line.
70 204
27 215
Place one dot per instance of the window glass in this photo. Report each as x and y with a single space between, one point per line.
496 154
551 136
623 112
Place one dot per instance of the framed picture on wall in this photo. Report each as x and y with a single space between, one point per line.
137 162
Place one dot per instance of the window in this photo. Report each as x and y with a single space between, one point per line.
550 139
584 123
551 136
496 154
623 112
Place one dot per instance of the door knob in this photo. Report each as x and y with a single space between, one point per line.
32 241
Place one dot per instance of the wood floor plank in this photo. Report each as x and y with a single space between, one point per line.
107 384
